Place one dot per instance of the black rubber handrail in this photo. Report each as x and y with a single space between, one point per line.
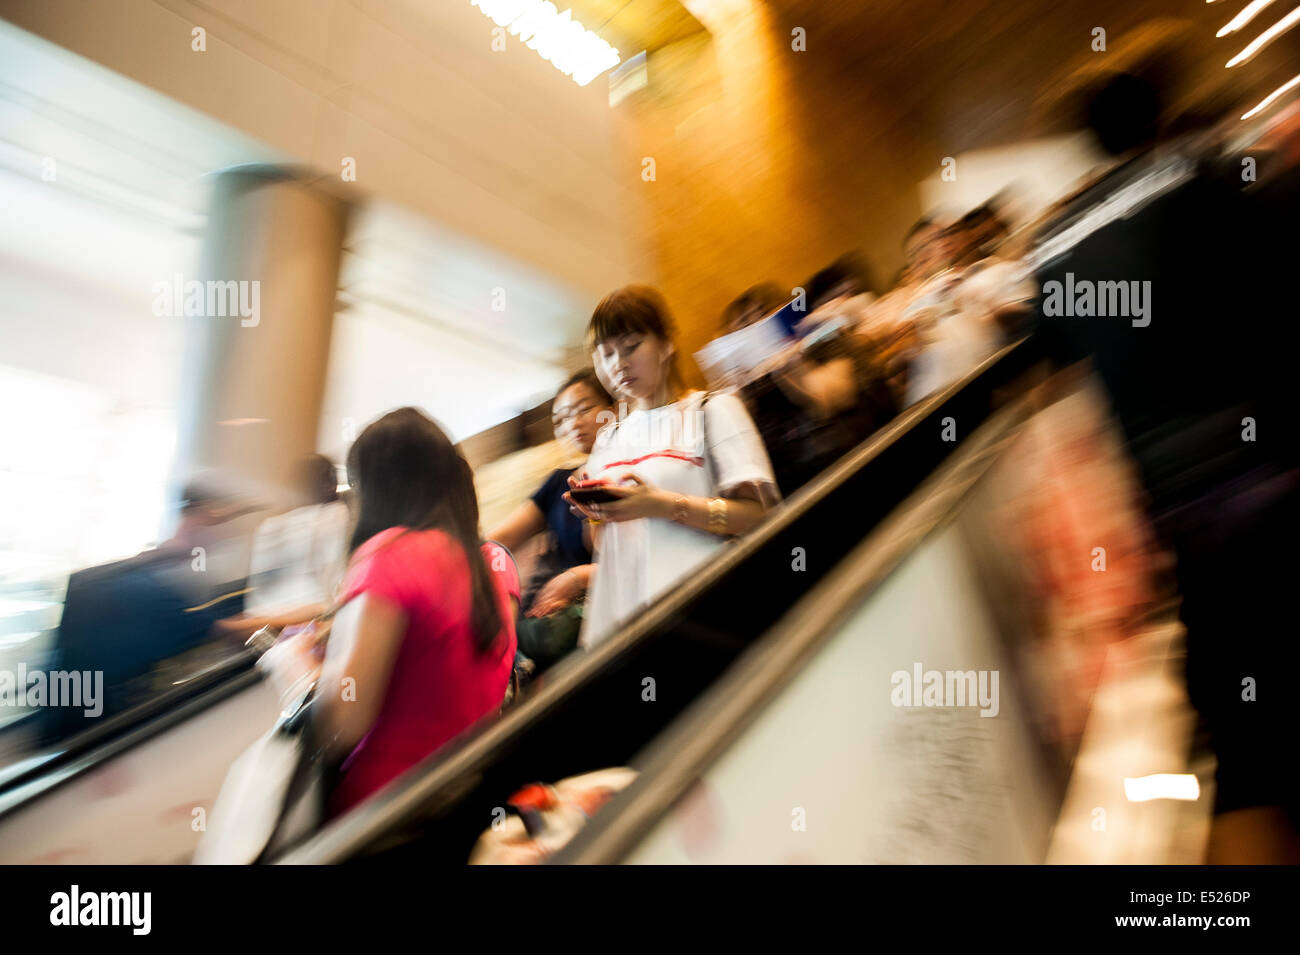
34 775
587 711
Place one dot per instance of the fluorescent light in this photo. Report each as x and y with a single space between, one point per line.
1244 17
1161 786
571 48
1264 103
1257 44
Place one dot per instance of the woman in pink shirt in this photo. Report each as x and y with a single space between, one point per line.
423 644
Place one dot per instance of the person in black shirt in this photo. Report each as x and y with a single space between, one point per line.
1199 383
829 393
552 601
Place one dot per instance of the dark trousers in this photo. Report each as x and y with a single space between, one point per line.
1237 573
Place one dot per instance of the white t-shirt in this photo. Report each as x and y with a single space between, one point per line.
298 558
963 332
639 561
993 284
885 315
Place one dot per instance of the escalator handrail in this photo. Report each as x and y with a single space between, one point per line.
35 775
682 753
404 798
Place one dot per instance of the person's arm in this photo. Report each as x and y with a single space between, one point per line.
562 590
524 522
742 511
359 660
823 390
245 625
836 385
263 559
591 532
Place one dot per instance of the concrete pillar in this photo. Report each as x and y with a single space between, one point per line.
258 316
257 354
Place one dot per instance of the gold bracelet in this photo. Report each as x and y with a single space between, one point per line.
718 516
679 508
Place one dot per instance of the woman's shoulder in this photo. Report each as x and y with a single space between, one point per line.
502 565
557 482
376 541
335 510
716 398
693 403
497 555
725 406
422 570
408 564
405 543
725 417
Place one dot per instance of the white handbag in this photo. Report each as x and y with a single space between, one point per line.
273 795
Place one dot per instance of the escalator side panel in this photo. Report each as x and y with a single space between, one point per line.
138 806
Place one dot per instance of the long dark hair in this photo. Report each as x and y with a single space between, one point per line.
407 473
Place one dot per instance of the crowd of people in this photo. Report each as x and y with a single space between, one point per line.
428 625
669 474
402 594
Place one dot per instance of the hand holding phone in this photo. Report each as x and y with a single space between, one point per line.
594 493
583 508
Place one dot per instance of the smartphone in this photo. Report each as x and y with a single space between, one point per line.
592 495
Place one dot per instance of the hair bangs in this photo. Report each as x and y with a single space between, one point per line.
633 310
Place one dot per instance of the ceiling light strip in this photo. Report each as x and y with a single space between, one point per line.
1267 37
1244 17
571 48
1268 100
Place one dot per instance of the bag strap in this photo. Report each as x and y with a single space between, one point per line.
311 767
709 466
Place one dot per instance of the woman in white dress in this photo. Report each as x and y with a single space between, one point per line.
689 470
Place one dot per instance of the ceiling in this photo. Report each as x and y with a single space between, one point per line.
128 203
131 175
980 72
634 25
410 265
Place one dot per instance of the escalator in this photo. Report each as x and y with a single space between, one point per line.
47 766
618 703
127 789
817 746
